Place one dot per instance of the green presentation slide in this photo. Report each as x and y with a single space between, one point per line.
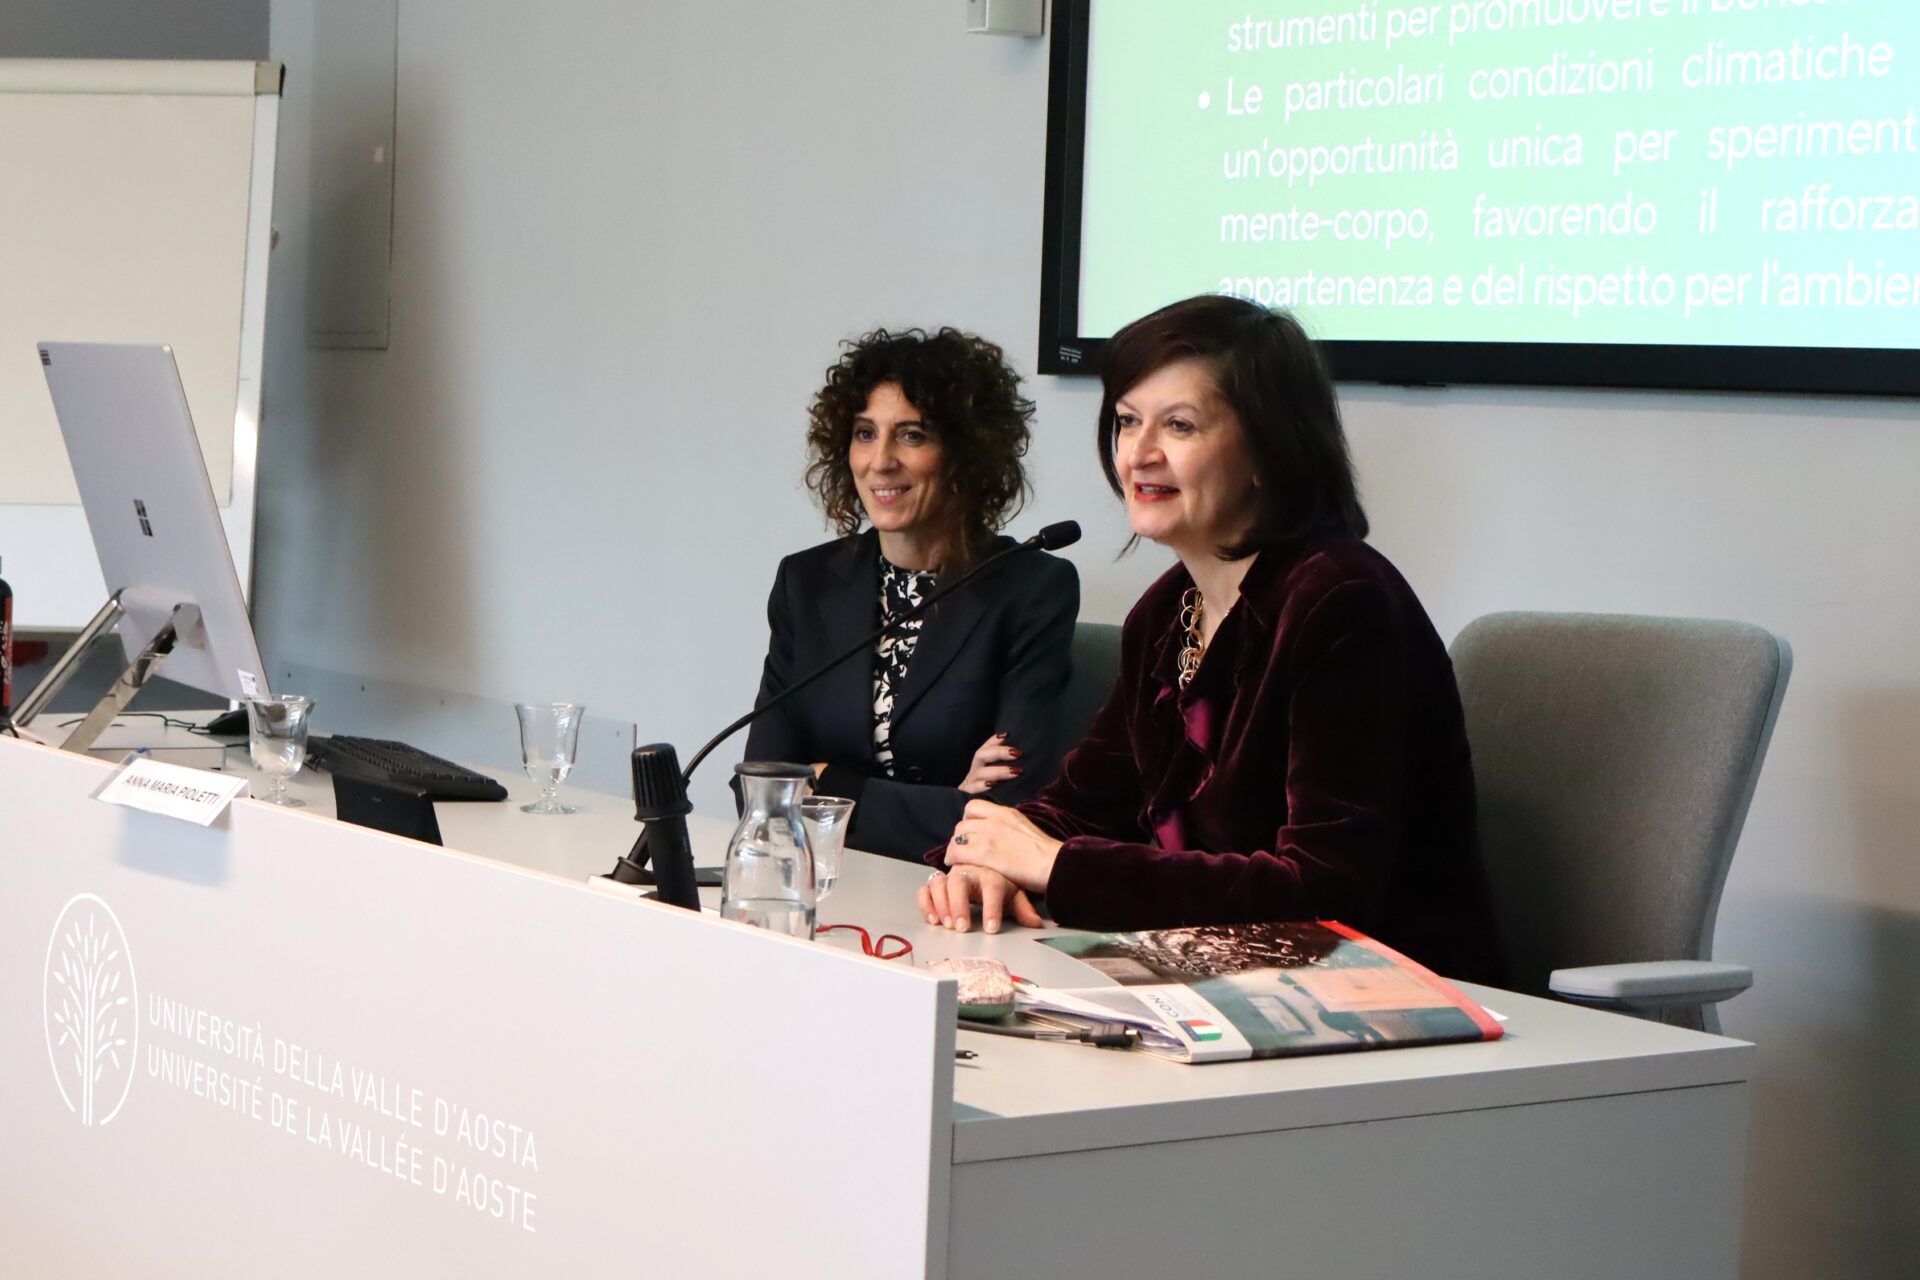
1673 172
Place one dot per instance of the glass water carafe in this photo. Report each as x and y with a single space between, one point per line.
769 875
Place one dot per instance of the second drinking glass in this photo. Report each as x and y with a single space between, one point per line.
549 738
826 819
277 741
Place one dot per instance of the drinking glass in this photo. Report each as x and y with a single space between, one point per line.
549 737
277 741
826 819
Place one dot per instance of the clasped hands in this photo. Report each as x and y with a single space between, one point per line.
996 857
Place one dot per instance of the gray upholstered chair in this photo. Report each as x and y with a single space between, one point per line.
1096 661
1615 758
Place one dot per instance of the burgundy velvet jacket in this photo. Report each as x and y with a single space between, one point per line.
1316 768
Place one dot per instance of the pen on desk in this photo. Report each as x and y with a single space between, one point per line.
1023 1032
1107 1035
965 1055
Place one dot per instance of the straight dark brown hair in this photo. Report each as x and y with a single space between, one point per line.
1271 374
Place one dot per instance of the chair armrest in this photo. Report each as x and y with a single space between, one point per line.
1651 984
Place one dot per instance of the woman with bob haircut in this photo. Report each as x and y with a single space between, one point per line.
1284 740
919 437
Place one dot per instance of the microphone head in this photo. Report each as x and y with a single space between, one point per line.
658 789
1056 536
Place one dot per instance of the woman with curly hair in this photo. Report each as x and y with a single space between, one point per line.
919 438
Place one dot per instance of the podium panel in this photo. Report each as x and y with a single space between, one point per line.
284 1046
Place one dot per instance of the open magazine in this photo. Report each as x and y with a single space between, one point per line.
1221 992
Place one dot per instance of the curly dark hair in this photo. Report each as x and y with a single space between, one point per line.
967 397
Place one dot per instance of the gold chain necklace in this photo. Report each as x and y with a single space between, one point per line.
1192 611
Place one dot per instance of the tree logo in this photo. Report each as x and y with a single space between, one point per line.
92 1010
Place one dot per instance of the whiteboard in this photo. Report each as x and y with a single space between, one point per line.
135 208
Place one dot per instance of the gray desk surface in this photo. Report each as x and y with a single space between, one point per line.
1022 1099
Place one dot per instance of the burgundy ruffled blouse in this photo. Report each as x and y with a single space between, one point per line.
1315 768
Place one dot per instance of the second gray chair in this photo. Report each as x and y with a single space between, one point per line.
1615 758
1096 661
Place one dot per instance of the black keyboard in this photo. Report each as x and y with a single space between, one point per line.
381 760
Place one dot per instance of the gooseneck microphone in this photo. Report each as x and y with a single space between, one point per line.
1051 538
660 788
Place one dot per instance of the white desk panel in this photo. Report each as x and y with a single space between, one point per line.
334 1039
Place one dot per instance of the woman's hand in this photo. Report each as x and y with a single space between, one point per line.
947 898
991 763
997 838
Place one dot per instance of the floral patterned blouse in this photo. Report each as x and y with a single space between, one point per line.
900 590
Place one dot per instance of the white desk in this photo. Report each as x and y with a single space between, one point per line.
1580 1145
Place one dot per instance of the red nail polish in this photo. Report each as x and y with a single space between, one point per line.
1015 770
1015 752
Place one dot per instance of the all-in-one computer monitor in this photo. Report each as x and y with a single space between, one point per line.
155 524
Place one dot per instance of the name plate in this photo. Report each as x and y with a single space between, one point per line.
172 790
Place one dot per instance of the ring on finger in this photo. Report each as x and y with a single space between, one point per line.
961 838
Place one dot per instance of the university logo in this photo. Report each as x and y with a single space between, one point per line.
92 1010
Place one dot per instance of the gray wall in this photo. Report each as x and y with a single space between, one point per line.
133 28
627 238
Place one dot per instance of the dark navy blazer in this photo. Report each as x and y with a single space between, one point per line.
992 658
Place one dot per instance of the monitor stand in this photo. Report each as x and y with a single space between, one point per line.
138 673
